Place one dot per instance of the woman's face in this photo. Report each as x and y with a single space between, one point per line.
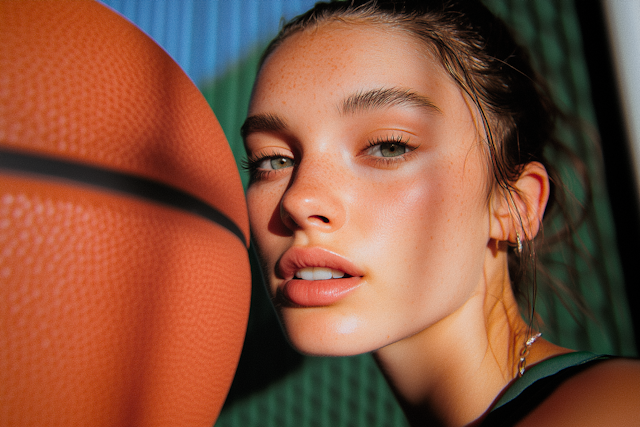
367 168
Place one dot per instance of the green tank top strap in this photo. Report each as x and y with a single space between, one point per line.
545 369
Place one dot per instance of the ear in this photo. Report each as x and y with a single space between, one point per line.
521 210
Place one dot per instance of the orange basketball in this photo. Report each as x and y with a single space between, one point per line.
124 273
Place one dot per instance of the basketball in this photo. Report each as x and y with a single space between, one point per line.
124 271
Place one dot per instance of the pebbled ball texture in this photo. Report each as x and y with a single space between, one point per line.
114 311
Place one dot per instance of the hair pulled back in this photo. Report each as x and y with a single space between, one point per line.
479 52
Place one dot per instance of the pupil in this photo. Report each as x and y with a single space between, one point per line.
391 150
280 162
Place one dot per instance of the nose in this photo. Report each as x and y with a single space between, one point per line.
314 200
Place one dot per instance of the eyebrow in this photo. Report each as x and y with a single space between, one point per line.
358 102
385 97
262 123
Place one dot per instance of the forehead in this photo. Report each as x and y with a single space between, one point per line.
347 57
337 40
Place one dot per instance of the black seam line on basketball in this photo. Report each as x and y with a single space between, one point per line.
117 181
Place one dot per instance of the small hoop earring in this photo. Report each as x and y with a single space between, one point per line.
519 244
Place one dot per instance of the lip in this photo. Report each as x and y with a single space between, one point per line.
315 293
297 258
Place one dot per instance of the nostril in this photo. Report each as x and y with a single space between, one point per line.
321 218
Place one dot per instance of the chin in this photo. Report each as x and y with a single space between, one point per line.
314 333
338 348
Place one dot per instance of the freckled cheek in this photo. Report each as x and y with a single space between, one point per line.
396 217
432 208
420 211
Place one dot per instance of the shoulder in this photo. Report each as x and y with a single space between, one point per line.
607 393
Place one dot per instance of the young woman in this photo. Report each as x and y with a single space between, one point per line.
397 171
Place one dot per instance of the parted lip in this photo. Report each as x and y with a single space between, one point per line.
296 258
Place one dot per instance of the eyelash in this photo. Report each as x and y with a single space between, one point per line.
386 162
393 139
251 163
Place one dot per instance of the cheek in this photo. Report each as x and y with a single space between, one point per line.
397 225
256 207
427 218
262 205
403 210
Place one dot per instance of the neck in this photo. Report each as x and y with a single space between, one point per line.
454 370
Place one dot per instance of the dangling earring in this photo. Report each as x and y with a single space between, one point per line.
519 244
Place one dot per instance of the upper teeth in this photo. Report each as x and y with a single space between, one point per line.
318 273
